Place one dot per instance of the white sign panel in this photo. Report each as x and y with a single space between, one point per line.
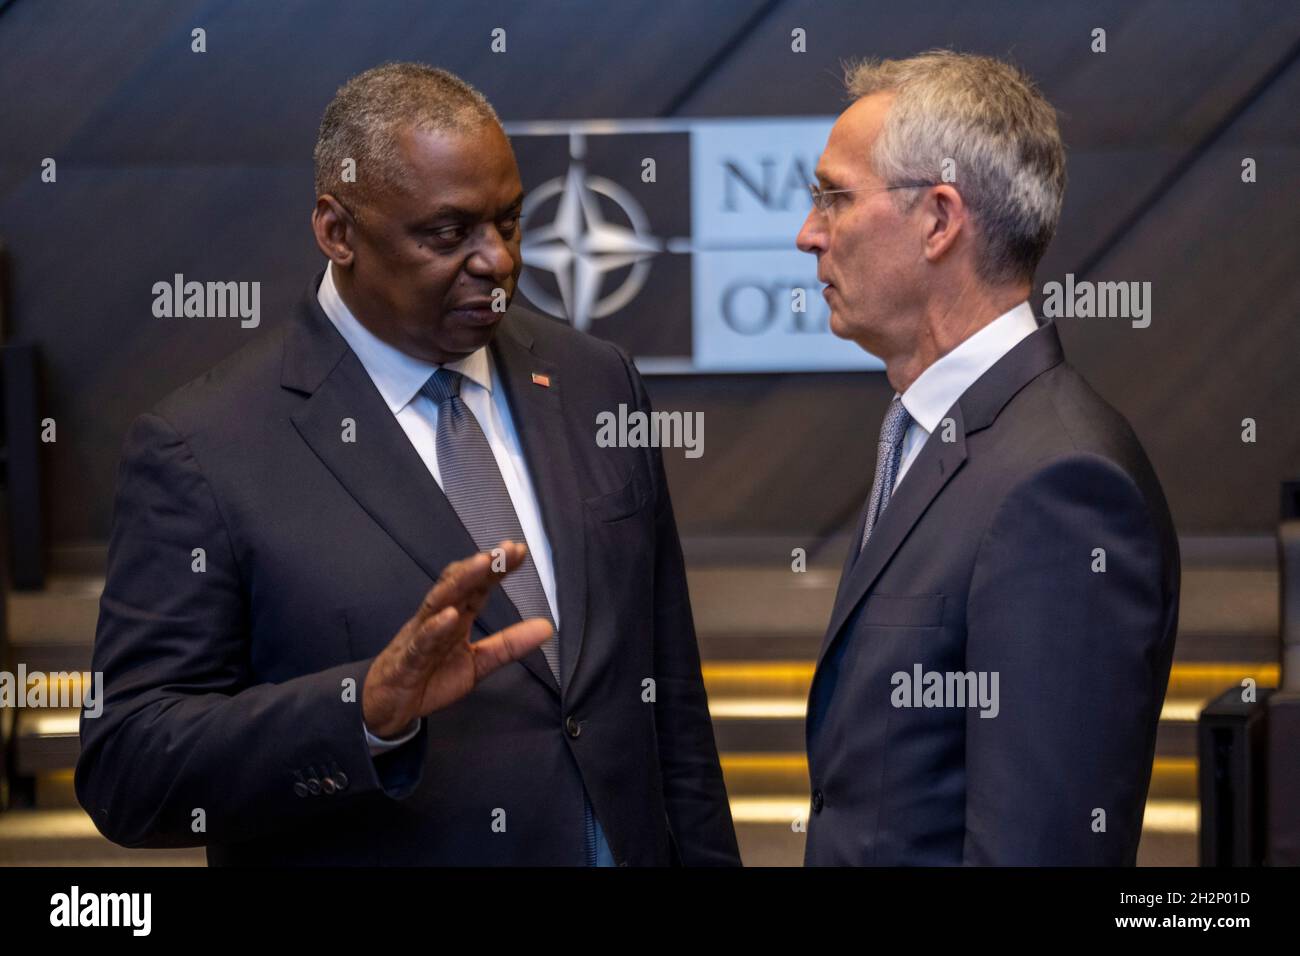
676 239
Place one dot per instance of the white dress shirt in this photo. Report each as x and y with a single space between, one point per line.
937 389
399 377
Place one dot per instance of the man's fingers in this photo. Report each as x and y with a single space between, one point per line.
455 585
428 645
464 584
508 645
501 560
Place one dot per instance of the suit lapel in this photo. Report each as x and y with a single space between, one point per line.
851 559
538 414
381 470
934 467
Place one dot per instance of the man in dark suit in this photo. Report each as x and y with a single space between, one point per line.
282 682
990 683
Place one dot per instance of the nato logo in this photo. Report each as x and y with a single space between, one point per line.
688 261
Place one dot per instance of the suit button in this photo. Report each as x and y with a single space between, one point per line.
572 726
314 786
328 785
341 780
817 801
300 789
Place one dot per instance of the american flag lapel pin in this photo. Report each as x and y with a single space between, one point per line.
542 380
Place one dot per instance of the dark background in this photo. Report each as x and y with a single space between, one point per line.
170 161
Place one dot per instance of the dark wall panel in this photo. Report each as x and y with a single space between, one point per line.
201 164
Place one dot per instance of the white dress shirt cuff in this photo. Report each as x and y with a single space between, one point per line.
379 745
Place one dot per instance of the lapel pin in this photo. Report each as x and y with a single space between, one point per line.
542 380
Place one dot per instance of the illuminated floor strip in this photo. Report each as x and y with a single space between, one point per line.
1175 710
758 708
769 809
57 724
1172 816
1184 710
1179 710
1162 816
780 678
46 824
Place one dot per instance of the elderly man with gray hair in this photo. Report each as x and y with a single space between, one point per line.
991 679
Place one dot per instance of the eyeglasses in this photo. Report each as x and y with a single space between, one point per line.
821 197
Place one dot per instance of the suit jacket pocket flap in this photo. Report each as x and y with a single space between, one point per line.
617 504
899 610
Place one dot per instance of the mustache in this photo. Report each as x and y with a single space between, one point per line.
480 290
485 297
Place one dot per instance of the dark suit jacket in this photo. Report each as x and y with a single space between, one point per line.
235 690
983 562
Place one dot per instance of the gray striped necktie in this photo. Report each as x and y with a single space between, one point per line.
889 452
473 484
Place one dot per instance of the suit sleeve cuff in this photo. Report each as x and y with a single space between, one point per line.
379 745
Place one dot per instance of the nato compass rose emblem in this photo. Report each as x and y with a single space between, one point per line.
579 247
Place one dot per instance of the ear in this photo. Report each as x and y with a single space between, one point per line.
945 217
335 230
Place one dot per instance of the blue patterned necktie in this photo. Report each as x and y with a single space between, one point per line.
473 484
889 451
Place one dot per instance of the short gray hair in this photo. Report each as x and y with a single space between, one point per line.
990 119
368 112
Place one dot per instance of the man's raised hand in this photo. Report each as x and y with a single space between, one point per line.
431 663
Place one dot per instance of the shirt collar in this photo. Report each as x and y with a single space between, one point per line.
398 376
937 389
